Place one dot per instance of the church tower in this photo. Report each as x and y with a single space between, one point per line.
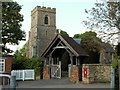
43 30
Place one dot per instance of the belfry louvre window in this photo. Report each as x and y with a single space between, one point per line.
2 65
46 20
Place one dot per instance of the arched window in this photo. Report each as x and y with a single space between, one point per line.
46 20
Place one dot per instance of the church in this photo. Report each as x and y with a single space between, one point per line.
45 42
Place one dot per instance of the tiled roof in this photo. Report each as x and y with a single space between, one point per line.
80 51
69 42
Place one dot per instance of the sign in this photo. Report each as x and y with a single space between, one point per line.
85 72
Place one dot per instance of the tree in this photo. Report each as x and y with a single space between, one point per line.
89 40
11 24
105 19
62 32
91 44
22 51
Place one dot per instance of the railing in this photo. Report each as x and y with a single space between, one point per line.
23 74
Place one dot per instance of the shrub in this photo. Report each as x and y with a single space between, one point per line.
20 63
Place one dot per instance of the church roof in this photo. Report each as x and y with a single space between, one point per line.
74 47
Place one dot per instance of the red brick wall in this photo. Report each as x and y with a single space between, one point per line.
74 77
8 68
8 65
46 72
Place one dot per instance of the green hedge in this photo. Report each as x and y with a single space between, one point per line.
25 63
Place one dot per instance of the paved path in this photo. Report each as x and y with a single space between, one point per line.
59 83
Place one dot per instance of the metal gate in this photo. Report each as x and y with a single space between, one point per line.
56 70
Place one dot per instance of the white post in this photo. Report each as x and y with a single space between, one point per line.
23 75
33 75
69 70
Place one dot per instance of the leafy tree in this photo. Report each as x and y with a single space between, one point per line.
62 32
11 24
89 40
77 36
104 18
92 45
22 51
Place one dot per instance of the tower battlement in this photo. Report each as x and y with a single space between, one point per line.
45 9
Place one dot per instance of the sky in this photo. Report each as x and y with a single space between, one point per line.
69 15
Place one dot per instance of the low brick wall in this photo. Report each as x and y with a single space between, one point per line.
74 76
46 72
96 73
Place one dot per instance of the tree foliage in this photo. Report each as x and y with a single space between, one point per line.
104 18
89 41
22 62
62 32
11 23
22 51
91 44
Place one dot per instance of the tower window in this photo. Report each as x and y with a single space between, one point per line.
46 20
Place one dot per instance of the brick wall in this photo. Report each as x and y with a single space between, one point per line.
46 72
96 73
74 77
8 65
8 68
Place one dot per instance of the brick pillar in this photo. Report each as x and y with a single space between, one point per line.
46 72
74 77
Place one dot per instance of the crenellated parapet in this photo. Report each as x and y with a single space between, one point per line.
44 9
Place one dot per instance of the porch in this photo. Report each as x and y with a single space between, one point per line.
63 55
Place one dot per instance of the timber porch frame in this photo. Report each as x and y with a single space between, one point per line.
59 43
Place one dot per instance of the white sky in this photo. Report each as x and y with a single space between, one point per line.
69 15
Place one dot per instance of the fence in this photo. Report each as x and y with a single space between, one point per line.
23 74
